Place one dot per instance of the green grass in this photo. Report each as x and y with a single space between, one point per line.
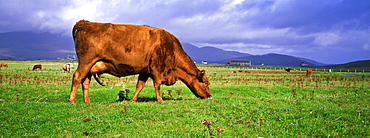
264 103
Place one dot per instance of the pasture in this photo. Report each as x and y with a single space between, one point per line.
264 103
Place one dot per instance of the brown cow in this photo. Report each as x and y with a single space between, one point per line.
3 65
309 72
124 50
39 66
247 71
67 67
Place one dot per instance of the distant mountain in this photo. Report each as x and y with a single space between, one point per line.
33 45
211 54
216 55
356 64
313 62
276 60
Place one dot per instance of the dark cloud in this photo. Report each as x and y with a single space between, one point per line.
299 28
312 15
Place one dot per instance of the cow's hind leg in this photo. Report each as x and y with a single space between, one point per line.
78 77
140 85
85 88
76 80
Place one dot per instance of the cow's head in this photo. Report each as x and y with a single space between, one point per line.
203 90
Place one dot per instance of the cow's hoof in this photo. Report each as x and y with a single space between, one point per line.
86 99
160 100
133 100
71 101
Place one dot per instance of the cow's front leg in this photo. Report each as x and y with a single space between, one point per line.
85 88
157 86
140 85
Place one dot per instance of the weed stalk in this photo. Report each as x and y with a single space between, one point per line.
207 124
17 98
219 130
261 122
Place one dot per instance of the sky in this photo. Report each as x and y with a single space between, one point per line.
327 31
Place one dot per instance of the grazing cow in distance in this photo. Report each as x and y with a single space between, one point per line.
242 71
4 65
125 49
309 72
247 71
67 67
39 66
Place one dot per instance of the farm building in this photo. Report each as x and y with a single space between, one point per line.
304 64
239 63
71 57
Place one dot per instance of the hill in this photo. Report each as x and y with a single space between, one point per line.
363 64
35 45
216 55
211 54
31 45
276 60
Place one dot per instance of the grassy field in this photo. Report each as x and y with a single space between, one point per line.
264 103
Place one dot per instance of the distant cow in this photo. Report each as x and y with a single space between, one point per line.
123 50
39 66
287 70
67 67
4 65
247 71
309 72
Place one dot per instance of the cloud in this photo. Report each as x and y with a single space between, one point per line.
61 20
231 5
235 45
263 26
4 52
326 38
64 51
366 47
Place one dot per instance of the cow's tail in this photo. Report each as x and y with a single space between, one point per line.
96 76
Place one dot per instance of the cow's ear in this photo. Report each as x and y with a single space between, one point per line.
200 75
203 72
